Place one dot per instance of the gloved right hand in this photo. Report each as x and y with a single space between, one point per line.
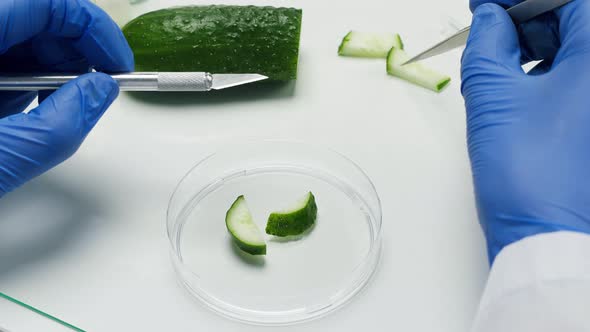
539 37
528 135
55 36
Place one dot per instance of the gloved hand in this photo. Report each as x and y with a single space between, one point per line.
528 135
54 36
539 37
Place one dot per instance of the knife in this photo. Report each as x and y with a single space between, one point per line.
520 13
138 81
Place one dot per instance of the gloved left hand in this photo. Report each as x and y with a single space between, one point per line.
54 36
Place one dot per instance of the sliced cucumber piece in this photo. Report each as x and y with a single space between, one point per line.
415 72
243 230
295 220
369 44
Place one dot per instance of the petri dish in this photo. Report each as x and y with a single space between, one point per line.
300 278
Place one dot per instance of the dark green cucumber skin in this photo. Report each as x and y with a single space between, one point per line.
218 39
292 224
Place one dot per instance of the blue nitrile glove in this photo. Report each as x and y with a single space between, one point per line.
528 135
539 38
54 36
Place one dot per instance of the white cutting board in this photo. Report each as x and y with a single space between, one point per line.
87 242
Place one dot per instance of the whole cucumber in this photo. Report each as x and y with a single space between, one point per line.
218 39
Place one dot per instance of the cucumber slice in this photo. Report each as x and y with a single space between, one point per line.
415 72
243 230
295 220
369 44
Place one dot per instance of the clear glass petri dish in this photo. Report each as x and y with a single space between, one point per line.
300 278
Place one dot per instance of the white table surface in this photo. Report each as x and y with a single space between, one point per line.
87 241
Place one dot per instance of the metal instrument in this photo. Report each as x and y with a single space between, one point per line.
165 81
522 12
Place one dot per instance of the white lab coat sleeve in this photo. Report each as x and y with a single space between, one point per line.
539 284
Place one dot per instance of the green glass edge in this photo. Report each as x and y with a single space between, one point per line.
41 313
